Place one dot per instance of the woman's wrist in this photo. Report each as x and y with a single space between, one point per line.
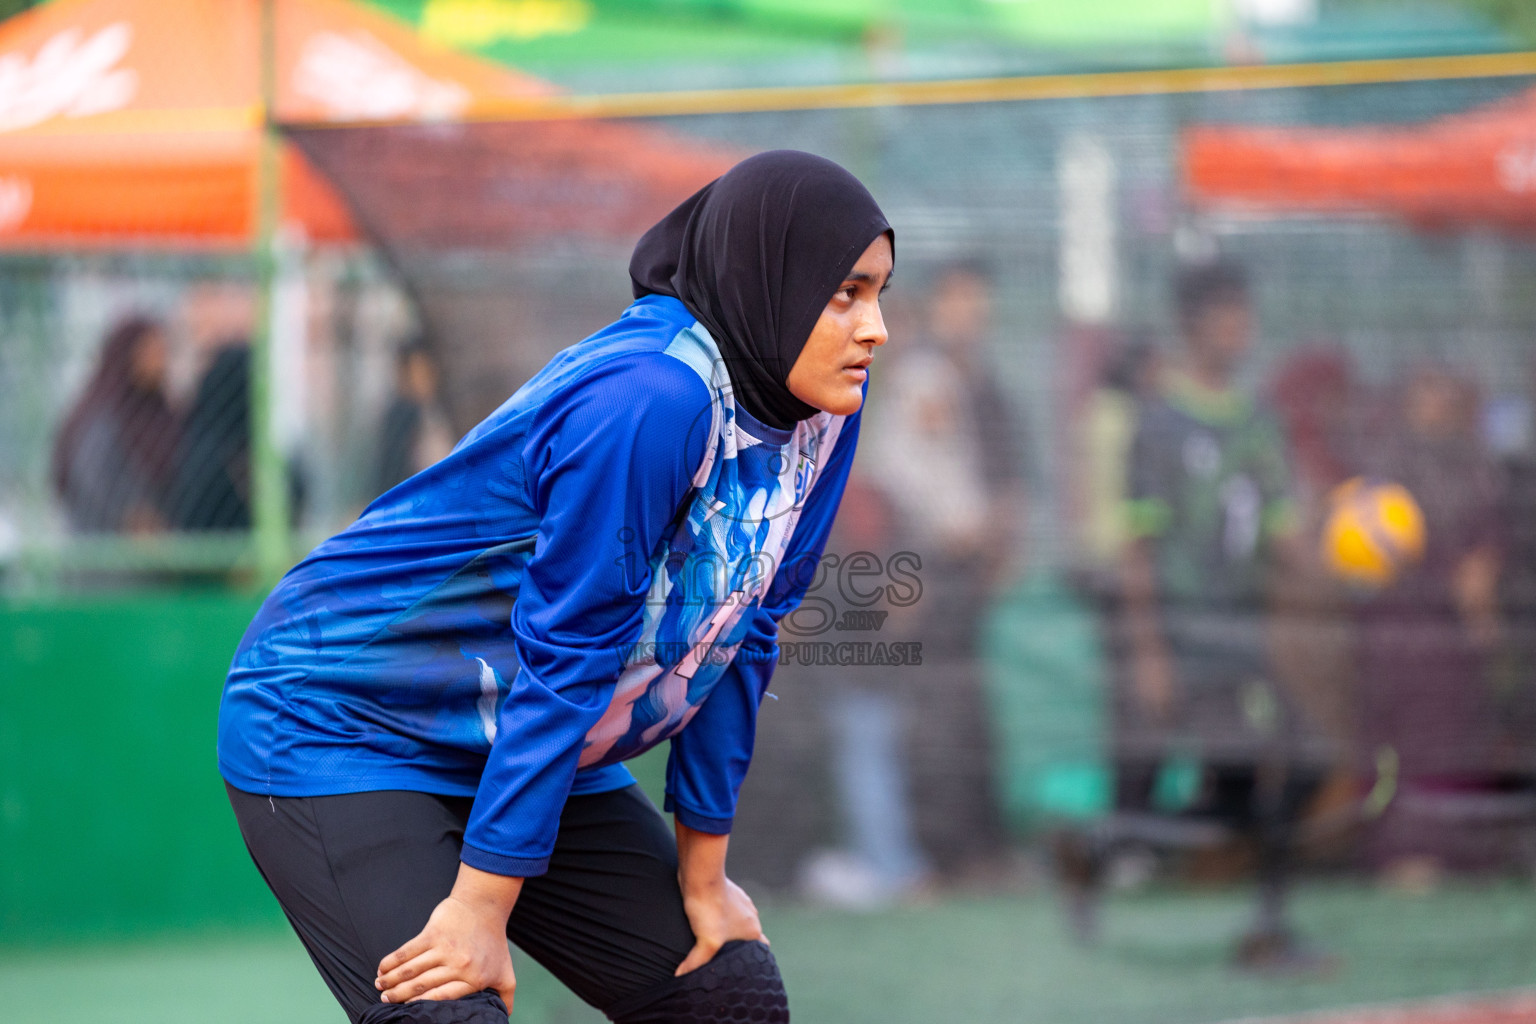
703 886
485 893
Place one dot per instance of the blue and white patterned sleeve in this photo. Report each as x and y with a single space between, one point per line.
608 462
709 758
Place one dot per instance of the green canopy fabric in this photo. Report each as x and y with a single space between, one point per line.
545 35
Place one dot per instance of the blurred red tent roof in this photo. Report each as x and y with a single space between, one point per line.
1469 169
141 119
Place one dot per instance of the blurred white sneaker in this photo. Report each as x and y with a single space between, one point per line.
834 878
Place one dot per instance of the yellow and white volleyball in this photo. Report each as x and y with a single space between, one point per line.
1374 530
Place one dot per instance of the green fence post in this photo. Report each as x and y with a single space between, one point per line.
269 478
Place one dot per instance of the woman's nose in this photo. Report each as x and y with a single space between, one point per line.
872 331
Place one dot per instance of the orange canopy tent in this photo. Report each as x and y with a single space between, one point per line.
143 118
138 121
1474 168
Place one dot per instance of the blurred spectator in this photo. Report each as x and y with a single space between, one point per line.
1325 412
960 325
1428 637
947 449
114 457
1517 579
213 466
415 431
879 861
950 452
1209 515
1104 430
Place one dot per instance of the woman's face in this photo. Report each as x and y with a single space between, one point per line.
831 370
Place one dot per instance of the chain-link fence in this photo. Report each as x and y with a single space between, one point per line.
127 418
1157 362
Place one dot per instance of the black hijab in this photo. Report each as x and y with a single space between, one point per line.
756 255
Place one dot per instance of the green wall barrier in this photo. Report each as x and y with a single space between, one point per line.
113 820
1046 674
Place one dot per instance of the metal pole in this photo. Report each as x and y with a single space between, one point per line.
269 477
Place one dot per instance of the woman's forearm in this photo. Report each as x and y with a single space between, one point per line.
718 910
700 860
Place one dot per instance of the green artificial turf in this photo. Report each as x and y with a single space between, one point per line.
1163 958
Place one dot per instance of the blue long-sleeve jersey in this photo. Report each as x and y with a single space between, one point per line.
598 566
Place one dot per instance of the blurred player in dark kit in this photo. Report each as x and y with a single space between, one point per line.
1208 516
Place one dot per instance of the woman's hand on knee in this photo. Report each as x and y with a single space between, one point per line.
718 915
462 950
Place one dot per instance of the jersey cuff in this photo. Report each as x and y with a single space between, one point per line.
754 652
499 864
697 822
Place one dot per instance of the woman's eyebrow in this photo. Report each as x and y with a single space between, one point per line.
859 277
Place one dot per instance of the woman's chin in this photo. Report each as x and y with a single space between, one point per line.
842 405
837 400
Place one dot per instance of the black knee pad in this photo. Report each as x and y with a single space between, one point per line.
481 1008
741 985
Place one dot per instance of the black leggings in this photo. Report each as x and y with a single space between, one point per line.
358 875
